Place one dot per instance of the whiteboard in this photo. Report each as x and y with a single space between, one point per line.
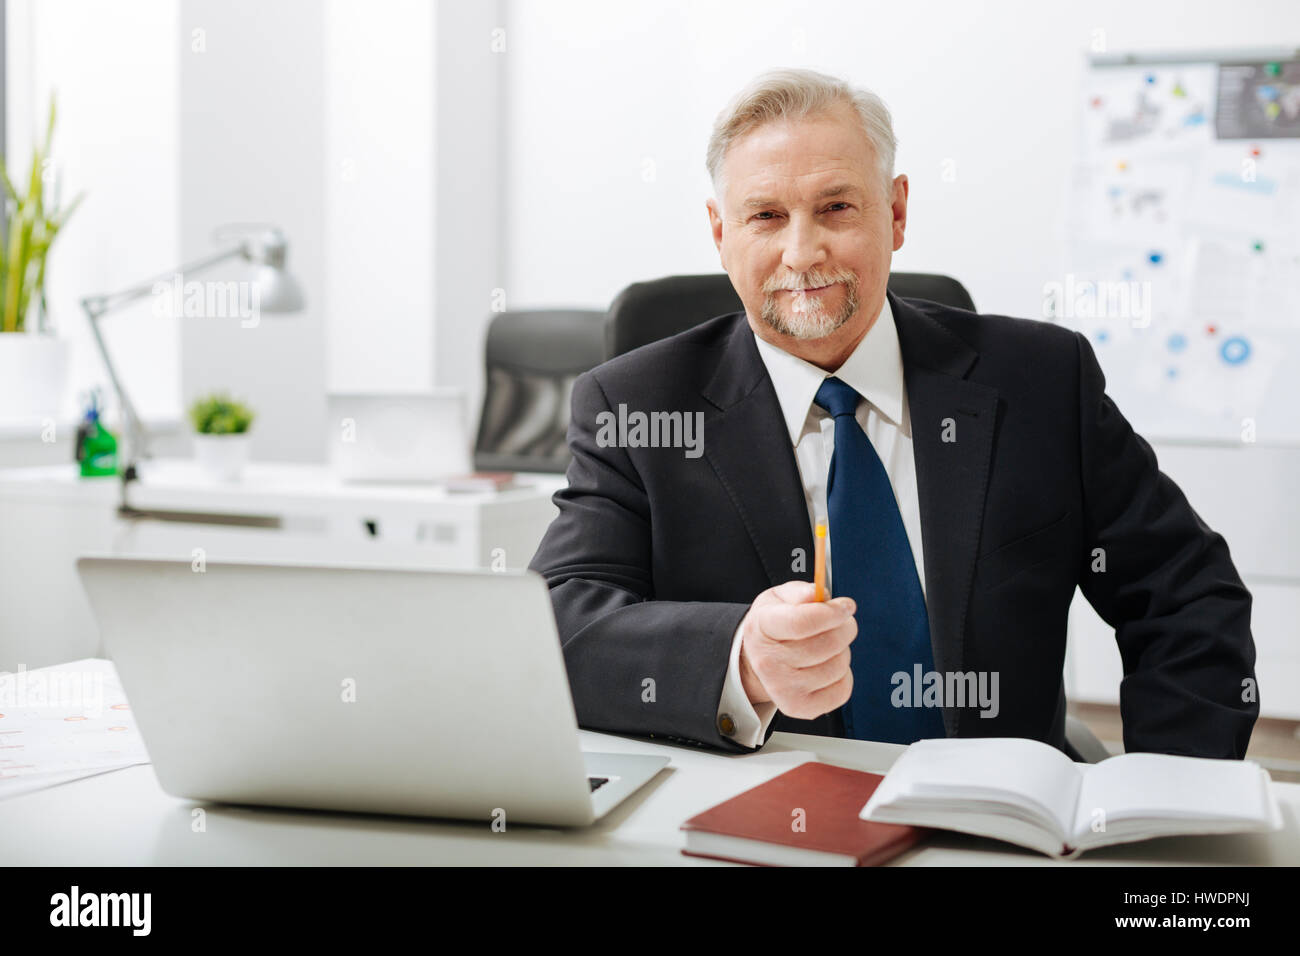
1183 243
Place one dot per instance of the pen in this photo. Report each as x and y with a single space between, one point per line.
819 563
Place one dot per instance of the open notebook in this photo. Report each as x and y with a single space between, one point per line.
1029 793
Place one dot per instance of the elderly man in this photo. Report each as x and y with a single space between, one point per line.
970 469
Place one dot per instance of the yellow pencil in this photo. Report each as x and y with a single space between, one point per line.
819 563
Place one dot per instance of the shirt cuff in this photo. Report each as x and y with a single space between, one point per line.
743 722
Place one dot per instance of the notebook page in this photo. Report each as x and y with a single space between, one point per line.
1159 786
1010 769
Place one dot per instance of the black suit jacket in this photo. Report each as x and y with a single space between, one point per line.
655 556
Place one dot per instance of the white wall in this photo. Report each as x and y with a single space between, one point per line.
379 195
116 139
370 134
596 91
413 193
253 150
472 57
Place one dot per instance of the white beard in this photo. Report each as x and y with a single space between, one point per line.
807 316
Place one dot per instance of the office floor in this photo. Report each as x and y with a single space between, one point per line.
1275 744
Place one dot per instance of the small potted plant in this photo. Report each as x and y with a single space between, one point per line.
221 439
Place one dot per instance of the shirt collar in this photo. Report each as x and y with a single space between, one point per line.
874 370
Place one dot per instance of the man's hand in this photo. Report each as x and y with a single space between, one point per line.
794 651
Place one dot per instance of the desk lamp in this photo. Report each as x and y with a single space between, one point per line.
278 292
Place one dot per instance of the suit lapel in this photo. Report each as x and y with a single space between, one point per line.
748 446
952 441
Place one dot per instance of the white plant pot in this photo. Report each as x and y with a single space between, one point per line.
222 457
33 377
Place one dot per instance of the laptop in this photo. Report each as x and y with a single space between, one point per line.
414 692
418 437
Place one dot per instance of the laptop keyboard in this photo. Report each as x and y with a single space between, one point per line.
597 782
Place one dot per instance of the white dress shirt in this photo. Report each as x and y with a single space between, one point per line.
875 371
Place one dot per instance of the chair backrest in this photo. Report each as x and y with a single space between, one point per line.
646 312
533 358
532 361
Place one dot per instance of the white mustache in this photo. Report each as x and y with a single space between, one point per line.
811 282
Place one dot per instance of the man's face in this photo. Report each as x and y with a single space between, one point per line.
806 231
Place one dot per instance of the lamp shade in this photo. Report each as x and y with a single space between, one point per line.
277 289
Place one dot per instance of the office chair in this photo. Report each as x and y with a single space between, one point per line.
646 312
1085 744
533 357
532 361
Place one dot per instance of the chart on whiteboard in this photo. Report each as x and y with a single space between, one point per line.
1183 257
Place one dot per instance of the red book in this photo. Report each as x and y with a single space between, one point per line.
807 816
481 482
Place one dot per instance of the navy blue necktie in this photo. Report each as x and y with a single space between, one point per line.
871 562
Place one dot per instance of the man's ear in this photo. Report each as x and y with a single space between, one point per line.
715 224
899 205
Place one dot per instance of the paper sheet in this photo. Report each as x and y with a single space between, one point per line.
62 723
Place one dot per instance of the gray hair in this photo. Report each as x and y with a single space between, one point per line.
796 94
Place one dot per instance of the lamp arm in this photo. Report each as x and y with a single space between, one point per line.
96 306
136 436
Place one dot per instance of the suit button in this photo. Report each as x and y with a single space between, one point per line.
727 725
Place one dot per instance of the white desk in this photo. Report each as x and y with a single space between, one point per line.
123 819
49 516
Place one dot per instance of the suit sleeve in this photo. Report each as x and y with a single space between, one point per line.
1165 581
636 664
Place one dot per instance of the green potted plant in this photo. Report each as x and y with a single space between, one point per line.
221 439
33 360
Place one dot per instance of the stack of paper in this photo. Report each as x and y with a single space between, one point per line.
64 722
